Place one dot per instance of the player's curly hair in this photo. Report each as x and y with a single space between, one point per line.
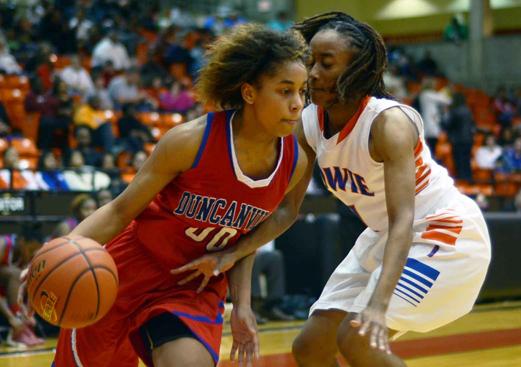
364 75
243 55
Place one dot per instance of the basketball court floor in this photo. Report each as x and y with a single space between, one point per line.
488 337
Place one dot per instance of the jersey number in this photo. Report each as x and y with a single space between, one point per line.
219 240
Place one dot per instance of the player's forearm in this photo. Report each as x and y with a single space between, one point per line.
239 279
395 256
273 227
103 225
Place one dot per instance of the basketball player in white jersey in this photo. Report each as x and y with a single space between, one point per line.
423 258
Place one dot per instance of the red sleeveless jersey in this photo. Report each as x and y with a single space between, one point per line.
209 207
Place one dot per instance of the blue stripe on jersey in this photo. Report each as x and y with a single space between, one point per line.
295 156
417 277
410 290
228 126
218 320
53 365
421 289
422 268
207 129
405 299
407 295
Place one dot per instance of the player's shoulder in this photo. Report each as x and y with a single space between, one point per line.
186 136
183 141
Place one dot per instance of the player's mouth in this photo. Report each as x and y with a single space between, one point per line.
290 122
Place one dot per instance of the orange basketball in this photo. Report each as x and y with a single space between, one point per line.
72 282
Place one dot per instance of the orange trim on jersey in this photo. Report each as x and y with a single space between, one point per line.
422 170
440 237
421 188
419 148
456 229
350 125
444 227
422 173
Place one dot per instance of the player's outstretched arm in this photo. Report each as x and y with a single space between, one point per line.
393 139
174 154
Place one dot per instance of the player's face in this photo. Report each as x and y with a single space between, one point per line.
279 98
330 56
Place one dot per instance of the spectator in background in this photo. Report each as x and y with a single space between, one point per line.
83 135
83 178
101 93
56 116
81 207
77 78
16 252
109 166
488 154
269 261
55 29
456 31
13 174
49 168
152 69
5 122
510 160
507 136
431 105
111 49
427 65
8 64
138 160
178 98
132 132
281 23
124 89
504 108
395 83
91 115
460 128
81 26
517 202
103 197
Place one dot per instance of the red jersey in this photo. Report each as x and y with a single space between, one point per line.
209 207
206 208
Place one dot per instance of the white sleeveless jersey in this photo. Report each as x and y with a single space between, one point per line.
357 180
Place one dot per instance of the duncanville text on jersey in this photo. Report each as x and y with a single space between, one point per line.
219 211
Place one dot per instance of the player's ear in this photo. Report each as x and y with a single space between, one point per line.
248 93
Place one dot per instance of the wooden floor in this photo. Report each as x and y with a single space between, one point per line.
488 337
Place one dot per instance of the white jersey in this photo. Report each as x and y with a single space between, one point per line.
450 249
356 179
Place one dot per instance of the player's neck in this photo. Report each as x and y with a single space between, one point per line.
248 130
339 114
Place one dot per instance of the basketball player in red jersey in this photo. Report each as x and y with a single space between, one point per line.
207 183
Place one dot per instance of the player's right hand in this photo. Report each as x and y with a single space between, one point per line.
27 311
208 266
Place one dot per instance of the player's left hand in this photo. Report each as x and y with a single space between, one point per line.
371 323
244 334
208 266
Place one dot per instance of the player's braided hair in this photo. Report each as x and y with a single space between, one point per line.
364 75
242 56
